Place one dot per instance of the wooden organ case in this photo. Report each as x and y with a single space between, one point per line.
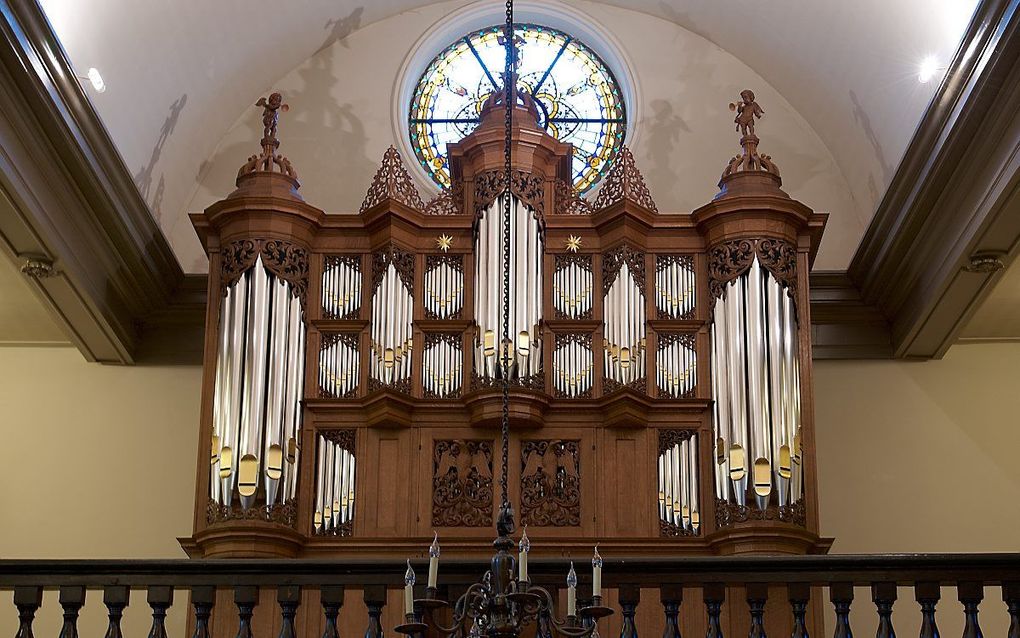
661 398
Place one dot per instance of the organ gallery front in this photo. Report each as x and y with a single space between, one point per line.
660 398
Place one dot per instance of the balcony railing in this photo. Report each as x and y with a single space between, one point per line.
755 596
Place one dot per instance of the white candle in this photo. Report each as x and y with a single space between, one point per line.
596 573
522 562
409 589
434 561
571 591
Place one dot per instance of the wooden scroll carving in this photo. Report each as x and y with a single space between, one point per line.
624 182
550 483
569 202
392 181
613 260
403 263
285 260
462 483
727 513
527 187
448 202
279 513
729 260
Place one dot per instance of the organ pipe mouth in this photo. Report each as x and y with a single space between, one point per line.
274 462
762 477
215 449
737 462
523 343
784 462
247 475
226 462
490 343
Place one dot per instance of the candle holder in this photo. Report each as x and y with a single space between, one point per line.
596 610
412 626
431 600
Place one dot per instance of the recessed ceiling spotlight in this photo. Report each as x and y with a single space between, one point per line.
97 80
929 67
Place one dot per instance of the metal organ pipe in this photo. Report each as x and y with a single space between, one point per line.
525 294
334 488
756 386
258 389
442 369
625 329
392 307
679 508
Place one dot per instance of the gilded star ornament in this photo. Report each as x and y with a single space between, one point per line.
444 242
573 244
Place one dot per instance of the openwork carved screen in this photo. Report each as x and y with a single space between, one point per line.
462 483
674 287
444 286
259 381
756 381
442 366
392 314
341 287
339 365
580 100
676 365
573 287
573 366
679 513
551 483
623 274
334 483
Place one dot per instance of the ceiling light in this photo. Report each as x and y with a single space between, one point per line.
97 80
929 66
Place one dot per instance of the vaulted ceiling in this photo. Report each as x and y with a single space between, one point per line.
179 73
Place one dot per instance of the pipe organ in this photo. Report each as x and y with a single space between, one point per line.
659 363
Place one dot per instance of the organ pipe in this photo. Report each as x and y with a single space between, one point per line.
339 365
341 287
679 511
756 386
625 337
525 293
392 314
572 287
573 366
258 389
334 487
442 366
444 287
676 365
674 286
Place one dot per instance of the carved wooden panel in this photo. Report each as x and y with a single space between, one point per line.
551 483
461 483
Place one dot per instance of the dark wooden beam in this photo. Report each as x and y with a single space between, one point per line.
67 198
953 195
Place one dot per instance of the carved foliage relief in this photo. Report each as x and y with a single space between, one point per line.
551 483
529 188
285 260
729 260
462 483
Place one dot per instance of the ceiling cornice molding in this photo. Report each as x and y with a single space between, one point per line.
72 198
951 195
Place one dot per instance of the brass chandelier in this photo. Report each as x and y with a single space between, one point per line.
504 601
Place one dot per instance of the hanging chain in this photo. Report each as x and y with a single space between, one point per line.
509 102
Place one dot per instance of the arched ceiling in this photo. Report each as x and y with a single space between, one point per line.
179 72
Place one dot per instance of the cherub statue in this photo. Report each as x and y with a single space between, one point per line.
271 108
747 109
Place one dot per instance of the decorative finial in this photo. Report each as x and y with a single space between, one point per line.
392 181
525 544
624 182
434 548
409 575
573 243
444 242
749 160
269 159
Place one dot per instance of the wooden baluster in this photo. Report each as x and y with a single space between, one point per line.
246 597
27 600
884 595
672 596
289 597
202 599
841 595
72 598
160 598
715 595
971 593
799 595
927 595
757 596
332 597
375 600
116 598
1011 596
630 596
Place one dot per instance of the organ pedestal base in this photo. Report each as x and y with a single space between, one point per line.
255 539
767 538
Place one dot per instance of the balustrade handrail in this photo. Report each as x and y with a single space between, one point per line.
860 569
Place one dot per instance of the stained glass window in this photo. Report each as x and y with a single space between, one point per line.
579 99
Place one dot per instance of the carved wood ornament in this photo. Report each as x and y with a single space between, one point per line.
613 260
462 483
527 187
403 263
570 202
731 259
624 182
550 483
285 260
392 181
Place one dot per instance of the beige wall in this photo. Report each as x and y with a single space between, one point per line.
913 457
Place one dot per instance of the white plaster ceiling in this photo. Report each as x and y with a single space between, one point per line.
180 72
